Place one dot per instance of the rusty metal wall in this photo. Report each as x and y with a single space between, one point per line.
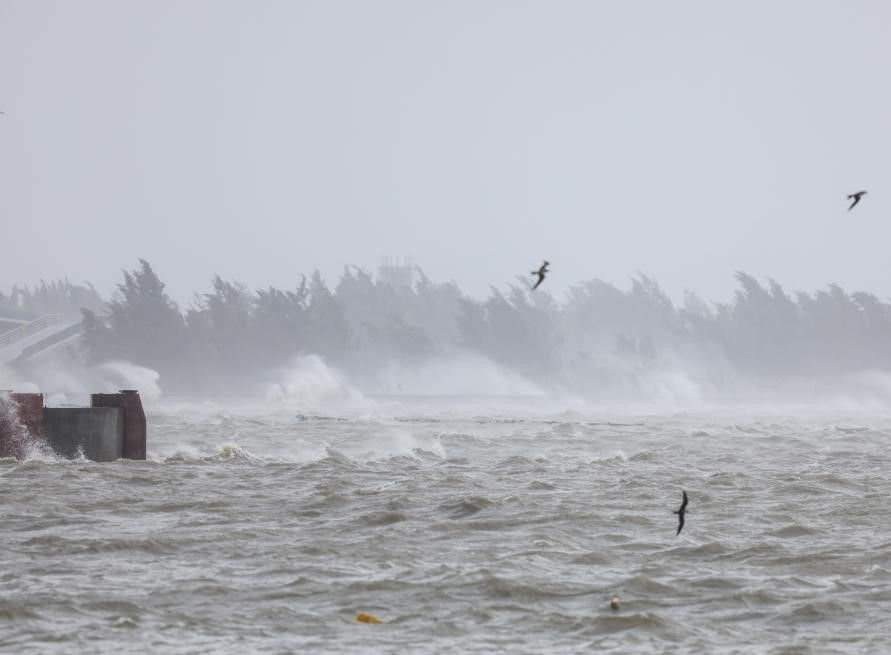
134 419
21 422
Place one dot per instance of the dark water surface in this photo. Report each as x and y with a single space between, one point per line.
258 530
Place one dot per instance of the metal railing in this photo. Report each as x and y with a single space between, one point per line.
53 339
33 327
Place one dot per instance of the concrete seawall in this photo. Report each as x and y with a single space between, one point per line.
114 427
133 446
93 431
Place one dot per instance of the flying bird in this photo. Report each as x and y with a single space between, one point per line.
856 196
680 512
541 272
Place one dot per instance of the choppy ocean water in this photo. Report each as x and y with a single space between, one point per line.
470 527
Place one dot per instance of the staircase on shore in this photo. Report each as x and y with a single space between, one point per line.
37 337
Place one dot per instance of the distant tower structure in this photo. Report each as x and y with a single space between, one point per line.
398 272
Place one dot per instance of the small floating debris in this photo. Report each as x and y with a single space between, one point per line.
363 617
615 603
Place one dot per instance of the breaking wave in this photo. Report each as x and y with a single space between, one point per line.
309 384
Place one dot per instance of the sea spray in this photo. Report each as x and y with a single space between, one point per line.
120 374
64 383
8 379
309 384
458 374
14 438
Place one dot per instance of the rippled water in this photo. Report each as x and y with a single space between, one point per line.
507 530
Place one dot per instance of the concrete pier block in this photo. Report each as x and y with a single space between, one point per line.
21 419
114 427
30 407
134 421
97 432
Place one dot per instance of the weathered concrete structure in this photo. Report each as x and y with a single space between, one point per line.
30 410
134 419
97 432
114 427
21 418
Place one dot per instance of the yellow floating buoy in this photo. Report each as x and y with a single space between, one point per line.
615 603
362 617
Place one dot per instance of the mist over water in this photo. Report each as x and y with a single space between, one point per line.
483 475
480 457
476 499
309 384
369 336
465 524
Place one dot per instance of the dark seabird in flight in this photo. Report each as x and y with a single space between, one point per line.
541 273
680 512
856 197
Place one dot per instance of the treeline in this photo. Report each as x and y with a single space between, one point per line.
54 297
599 336
231 337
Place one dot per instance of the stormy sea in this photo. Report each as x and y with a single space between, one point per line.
465 525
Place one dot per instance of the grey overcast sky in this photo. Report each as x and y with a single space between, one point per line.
259 140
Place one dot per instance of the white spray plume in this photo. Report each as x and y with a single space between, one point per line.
119 374
310 384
